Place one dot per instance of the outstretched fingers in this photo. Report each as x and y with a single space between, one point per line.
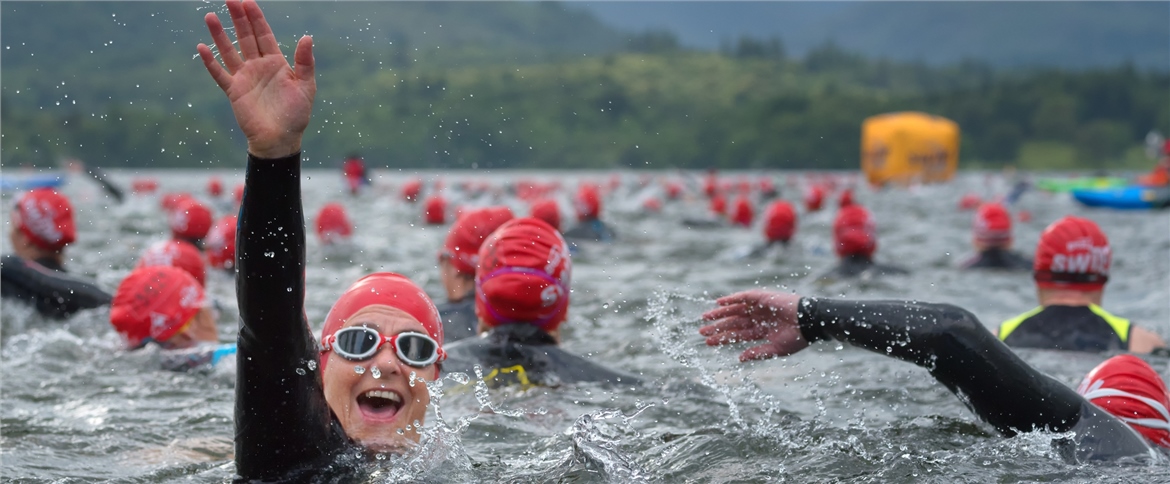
762 352
736 336
222 78
266 43
223 43
726 311
244 34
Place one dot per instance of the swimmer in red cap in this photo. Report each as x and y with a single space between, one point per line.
164 305
779 227
993 241
41 227
190 221
855 241
300 403
435 210
1072 265
547 210
355 173
175 253
457 262
521 298
220 244
589 225
333 225
1119 411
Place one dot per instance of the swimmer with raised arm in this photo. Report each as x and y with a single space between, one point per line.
963 355
300 404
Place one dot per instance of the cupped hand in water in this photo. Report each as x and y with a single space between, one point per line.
272 101
756 315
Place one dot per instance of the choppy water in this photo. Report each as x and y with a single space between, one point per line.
77 409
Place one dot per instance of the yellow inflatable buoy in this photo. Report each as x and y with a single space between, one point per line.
909 147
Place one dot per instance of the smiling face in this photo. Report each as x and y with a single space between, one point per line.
373 406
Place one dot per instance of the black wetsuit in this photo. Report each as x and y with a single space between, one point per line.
998 258
591 230
1070 328
861 266
960 353
459 319
526 355
284 427
45 285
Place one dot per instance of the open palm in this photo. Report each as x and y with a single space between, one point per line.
756 315
272 102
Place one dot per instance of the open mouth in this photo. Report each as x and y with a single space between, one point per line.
380 404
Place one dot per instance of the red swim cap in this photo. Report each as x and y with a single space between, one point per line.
175 253
547 210
1074 254
468 233
46 218
673 190
588 203
171 201
853 232
652 205
718 204
780 222
743 212
190 220
523 276
333 224
1127 388
387 289
435 210
411 190
144 185
814 198
846 198
969 201
155 302
220 243
214 187
993 225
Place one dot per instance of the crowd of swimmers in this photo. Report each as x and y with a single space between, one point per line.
302 399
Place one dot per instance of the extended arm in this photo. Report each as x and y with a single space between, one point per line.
958 351
283 422
54 294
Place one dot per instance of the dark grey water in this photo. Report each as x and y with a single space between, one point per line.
77 409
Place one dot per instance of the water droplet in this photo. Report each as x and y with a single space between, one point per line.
359 369
289 289
312 365
375 372
270 254
301 371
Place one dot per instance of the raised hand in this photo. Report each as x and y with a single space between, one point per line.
272 102
752 316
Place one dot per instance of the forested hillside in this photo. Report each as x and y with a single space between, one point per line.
528 85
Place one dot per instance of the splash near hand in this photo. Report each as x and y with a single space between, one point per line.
756 315
272 101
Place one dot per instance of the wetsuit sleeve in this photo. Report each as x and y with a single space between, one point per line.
283 422
957 350
54 294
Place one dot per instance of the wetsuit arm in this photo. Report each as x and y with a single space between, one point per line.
957 350
54 294
282 419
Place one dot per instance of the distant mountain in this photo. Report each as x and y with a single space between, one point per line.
1006 34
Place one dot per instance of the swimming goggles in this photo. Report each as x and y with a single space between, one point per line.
357 343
